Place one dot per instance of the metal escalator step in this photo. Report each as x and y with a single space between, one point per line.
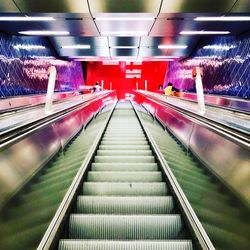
125 205
125 245
124 167
226 240
131 176
125 159
116 142
121 147
125 188
123 137
224 221
125 227
124 152
124 133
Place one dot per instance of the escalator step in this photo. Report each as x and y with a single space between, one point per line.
113 189
121 147
124 142
125 245
124 137
124 176
125 227
124 167
124 152
125 205
125 159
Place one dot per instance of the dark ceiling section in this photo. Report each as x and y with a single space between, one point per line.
126 28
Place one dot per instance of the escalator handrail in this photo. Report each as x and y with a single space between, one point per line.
192 219
244 112
12 136
51 235
232 134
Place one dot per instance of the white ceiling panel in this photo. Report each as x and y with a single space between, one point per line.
94 42
74 6
79 52
124 6
116 27
172 26
193 6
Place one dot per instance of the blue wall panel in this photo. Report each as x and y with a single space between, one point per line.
25 71
226 67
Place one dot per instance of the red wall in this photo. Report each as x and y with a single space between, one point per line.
153 72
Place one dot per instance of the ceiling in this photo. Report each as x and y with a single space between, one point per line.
124 29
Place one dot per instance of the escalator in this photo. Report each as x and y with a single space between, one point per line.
24 221
125 202
225 220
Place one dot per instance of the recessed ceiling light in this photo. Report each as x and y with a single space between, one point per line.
219 47
124 47
223 18
26 18
44 33
168 57
204 32
125 18
28 47
162 59
124 33
77 46
172 46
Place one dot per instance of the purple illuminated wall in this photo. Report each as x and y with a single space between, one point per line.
24 71
226 67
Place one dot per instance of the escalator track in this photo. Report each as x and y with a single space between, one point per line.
225 220
125 202
25 220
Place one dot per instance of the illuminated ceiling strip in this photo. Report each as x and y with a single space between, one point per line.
223 18
28 47
77 46
167 57
203 32
171 46
44 33
219 47
125 18
26 18
162 59
124 47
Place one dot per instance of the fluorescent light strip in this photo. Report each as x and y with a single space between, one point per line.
219 47
172 46
26 18
44 33
124 47
204 32
125 18
167 57
223 18
77 46
124 33
28 47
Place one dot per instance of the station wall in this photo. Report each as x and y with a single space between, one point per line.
124 76
24 71
226 66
